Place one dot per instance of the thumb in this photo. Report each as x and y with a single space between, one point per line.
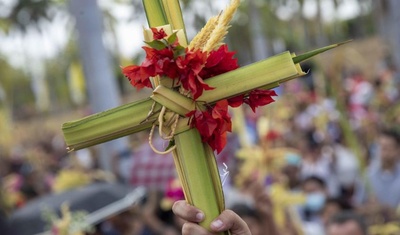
229 220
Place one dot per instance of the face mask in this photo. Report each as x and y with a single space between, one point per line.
293 159
315 201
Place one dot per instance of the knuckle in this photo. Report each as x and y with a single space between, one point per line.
184 210
230 213
192 228
187 229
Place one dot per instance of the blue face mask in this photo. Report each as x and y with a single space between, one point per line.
315 201
293 159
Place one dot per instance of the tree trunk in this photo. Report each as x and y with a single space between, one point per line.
258 37
388 17
394 6
321 35
101 84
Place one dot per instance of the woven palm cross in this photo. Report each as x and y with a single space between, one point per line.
167 108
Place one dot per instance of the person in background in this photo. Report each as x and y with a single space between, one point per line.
346 169
383 174
251 217
122 163
262 206
316 194
156 220
346 223
292 171
332 207
317 162
125 223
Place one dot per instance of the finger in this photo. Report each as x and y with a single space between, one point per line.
194 229
228 220
187 212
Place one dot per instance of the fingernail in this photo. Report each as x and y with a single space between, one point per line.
217 224
200 216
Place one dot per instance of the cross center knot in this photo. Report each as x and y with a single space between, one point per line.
172 116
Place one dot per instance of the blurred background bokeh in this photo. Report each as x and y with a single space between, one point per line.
60 61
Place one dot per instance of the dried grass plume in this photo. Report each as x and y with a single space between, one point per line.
214 32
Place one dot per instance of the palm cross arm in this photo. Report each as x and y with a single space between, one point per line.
135 117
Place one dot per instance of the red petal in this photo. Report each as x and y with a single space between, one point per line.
138 77
260 98
158 34
150 53
169 69
191 113
215 57
219 62
236 101
220 142
220 110
204 123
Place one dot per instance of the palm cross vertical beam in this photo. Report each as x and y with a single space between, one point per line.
194 160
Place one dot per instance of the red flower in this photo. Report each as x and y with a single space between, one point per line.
236 101
169 68
260 98
196 66
213 124
138 76
157 59
158 34
218 62
204 123
190 67
166 64
220 113
218 142
157 62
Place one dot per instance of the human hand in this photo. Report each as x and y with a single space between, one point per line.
262 201
226 221
262 204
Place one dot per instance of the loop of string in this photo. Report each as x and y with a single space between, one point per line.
154 148
171 122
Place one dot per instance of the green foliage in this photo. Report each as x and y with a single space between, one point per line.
16 85
56 75
158 45
26 13
76 223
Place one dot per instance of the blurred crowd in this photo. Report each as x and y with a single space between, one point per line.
314 162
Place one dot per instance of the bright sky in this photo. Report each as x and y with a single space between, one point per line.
25 51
